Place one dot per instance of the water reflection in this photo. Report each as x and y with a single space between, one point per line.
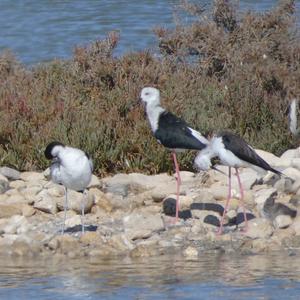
212 275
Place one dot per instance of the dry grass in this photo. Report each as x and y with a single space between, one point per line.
226 71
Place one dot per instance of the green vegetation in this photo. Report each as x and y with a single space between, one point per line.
227 70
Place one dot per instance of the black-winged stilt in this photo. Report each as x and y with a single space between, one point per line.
234 152
170 131
72 168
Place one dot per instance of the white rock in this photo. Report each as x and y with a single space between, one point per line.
282 221
16 223
274 160
44 202
186 176
293 173
56 190
184 201
262 195
139 225
10 173
19 198
290 154
17 184
123 183
248 177
259 228
73 221
32 176
296 225
95 182
75 201
296 163
190 252
4 184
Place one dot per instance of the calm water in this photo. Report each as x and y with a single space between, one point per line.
38 31
212 276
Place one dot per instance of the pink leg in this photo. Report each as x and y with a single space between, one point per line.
242 198
178 184
227 202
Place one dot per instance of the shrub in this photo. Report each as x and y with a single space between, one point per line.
235 71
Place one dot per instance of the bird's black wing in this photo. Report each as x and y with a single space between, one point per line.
243 151
174 133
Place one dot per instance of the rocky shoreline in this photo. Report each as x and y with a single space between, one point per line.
131 214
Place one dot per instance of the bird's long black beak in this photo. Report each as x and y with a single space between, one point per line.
216 169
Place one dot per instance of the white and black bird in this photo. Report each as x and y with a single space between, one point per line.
232 151
170 131
72 168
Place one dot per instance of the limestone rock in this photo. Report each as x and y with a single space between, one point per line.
7 210
102 200
91 238
191 252
45 203
73 221
32 176
261 196
120 242
139 226
65 243
282 221
4 184
259 228
296 225
95 182
75 201
220 192
10 173
290 154
272 159
27 210
16 224
17 184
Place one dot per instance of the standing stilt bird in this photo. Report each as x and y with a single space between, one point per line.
170 131
234 152
72 168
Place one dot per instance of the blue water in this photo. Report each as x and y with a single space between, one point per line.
212 276
38 31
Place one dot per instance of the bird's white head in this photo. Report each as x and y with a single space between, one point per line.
150 96
202 161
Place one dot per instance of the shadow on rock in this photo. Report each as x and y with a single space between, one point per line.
77 228
169 209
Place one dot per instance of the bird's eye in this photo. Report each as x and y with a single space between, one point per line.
146 94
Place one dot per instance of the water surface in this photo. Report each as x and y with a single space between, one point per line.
212 276
39 31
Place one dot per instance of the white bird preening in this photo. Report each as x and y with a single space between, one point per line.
170 131
72 168
234 152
